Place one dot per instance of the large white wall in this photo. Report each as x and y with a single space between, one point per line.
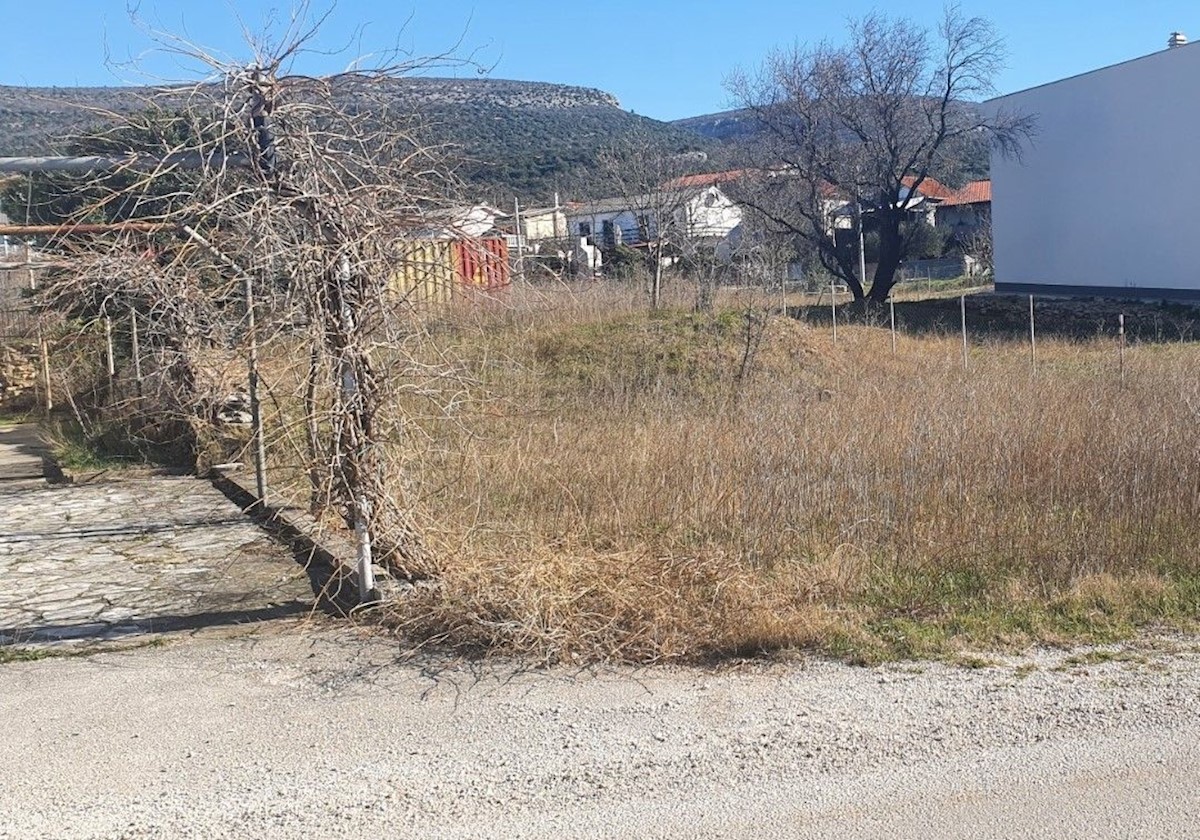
1107 193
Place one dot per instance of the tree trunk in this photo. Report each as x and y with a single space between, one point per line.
855 287
842 266
890 246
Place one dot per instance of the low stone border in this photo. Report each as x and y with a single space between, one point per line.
324 556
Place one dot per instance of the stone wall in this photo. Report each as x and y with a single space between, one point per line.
18 376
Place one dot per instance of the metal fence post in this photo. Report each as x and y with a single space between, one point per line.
1121 345
109 354
260 450
43 347
1032 339
256 424
962 305
833 308
892 319
136 350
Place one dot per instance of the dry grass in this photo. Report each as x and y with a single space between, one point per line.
642 488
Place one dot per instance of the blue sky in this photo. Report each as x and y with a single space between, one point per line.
661 58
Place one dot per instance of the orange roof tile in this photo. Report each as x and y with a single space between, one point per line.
930 187
706 179
976 192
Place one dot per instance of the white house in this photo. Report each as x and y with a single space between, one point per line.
471 221
476 220
539 223
967 210
697 213
1105 198
923 201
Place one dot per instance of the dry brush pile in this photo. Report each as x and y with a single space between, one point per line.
261 214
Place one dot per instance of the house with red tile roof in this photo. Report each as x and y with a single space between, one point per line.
930 188
966 210
707 179
923 199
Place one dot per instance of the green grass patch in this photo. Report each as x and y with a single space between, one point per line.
16 653
937 613
101 448
1100 657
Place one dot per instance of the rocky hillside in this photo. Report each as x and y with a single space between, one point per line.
524 139
727 131
723 125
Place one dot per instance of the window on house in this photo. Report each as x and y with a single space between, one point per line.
609 233
644 224
585 229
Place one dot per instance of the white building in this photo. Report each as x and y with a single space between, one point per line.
1105 199
704 213
469 221
475 221
539 223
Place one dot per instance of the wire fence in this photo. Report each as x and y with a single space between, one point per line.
17 319
42 362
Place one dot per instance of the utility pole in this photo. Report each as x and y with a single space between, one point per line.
43 348
101 163
520 240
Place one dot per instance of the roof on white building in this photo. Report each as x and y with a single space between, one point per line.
1154 55
647 201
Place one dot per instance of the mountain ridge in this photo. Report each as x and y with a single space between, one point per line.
518 138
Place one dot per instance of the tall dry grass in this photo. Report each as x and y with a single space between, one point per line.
627 490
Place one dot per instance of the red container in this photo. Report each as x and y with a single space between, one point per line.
482 264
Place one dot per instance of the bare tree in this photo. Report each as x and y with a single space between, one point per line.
648 183
860 128
283 248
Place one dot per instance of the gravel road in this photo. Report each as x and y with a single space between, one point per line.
305 730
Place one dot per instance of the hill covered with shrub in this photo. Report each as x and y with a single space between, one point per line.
512 138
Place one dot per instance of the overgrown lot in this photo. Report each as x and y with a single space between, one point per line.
639 487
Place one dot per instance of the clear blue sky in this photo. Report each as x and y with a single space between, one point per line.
661 58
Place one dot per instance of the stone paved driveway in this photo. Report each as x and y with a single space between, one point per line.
109 558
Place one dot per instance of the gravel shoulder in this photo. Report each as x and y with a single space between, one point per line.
301 729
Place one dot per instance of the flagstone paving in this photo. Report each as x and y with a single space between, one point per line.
129 555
